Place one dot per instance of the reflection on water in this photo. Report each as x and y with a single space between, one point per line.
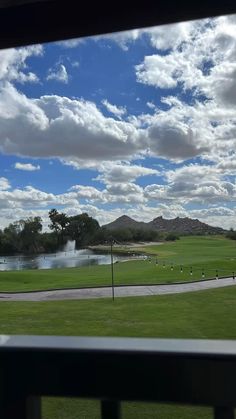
71 259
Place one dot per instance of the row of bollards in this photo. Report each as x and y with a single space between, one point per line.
191 269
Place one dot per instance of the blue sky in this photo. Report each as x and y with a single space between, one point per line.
141 123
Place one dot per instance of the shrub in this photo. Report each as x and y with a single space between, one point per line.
172 237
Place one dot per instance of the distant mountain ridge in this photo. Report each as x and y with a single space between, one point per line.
176 225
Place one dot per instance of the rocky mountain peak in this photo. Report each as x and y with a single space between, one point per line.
176 225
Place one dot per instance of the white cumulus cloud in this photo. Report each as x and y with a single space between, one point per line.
118 172
118 111
13 64
58 73
27 167
4 184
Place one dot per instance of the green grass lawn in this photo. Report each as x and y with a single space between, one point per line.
199 254
207 314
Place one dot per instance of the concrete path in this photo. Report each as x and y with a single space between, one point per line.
128 291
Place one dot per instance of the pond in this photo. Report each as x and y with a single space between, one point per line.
63 259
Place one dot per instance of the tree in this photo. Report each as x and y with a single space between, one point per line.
82 229
101 236
231 234
172 237
9 240
122 234
48 242
29 234
59 222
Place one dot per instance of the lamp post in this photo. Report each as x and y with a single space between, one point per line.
112 272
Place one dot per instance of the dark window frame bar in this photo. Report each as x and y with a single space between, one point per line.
192 372
26 22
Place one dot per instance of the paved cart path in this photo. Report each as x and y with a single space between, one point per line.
122 291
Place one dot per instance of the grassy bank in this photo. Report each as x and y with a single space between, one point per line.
195 255
208 314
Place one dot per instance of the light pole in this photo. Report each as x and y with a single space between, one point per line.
112 272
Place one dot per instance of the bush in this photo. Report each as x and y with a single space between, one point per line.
172 237
231 234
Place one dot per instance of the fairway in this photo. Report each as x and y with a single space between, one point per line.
208 314
190 258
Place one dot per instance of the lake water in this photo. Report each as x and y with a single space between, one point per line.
65 259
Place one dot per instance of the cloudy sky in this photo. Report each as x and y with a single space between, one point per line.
141 123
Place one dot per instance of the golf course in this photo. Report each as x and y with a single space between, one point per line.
206 314
190 258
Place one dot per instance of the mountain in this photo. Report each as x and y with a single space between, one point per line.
175 225
125 222
183 225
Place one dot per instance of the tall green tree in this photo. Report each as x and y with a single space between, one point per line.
231 234
9 240
29 234
59 223
82 229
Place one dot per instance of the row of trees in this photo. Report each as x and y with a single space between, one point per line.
20 236
85 230
26 236
80 228
231 234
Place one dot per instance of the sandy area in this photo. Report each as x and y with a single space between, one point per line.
142 244
127 245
